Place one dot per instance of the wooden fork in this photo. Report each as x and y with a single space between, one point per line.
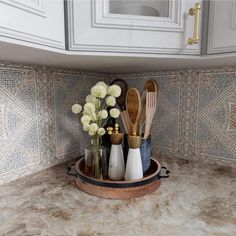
142 118
151 104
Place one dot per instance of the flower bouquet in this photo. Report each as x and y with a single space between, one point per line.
95 115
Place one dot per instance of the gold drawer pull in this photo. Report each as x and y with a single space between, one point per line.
195 11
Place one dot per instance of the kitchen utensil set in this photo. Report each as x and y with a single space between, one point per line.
140 111
137 111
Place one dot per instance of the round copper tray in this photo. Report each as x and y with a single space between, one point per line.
118 189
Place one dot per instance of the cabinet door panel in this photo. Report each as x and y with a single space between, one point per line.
34 21
222 26
93 28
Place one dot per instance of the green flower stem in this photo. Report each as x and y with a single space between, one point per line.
103 106
97 166
95 144
96 157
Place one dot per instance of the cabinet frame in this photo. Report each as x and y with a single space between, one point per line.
101 17
36 10
86 27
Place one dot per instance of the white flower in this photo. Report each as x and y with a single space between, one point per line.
111 101
93 127
85 119
76 108
98 91
93 116
90 98
86 127
103 114
114 113
101 83
114 90
91 132
89 108
101 131
97 103
86 112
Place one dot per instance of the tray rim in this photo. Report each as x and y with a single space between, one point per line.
118 184
117 193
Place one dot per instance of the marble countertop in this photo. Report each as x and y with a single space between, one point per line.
197 200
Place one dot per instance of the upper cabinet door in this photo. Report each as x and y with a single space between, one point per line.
129 26
33 21
222 26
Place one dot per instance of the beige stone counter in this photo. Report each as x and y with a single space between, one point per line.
197 200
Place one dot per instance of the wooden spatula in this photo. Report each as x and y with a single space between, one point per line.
133 107
126 121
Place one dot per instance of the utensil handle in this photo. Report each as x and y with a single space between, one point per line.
147 130
148 126
142 118
134 130
141 128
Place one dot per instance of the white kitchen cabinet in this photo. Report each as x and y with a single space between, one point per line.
107 37
93 26
222 26
37 22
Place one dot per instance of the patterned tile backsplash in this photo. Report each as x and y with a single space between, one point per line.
196 116
37 127
2 122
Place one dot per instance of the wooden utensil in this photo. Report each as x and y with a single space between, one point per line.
151 100
124 87
133 107
151 86
126 122
143 113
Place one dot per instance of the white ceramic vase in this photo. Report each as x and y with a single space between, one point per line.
116 169
134 168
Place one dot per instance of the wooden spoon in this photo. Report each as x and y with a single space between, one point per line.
133 107
151 85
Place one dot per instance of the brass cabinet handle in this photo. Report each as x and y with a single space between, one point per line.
195 11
